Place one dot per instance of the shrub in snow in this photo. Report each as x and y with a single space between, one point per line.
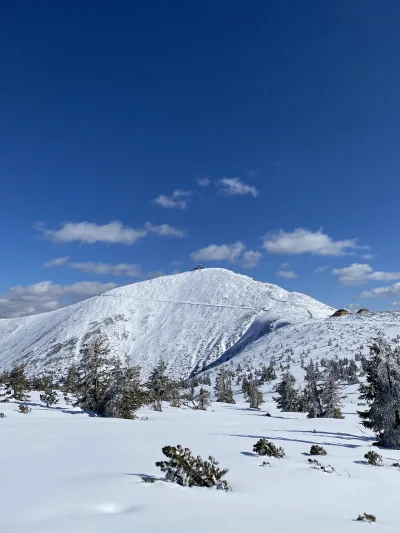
365 517
186 470
49 398
148 479
317 450
24 409
328 469
264 447
373 458
16 384
381 392
2 415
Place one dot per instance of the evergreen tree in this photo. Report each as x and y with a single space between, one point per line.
352 373
93 375
71 379
223 387
16 384
287 400
312 391
381 392
158 385
253 395
124 394
203 399
331 398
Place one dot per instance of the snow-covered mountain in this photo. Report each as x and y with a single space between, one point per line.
189 320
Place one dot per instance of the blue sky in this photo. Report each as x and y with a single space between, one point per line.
144 137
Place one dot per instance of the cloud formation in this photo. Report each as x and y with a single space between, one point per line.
235 187
203 182
164 230
250 259
47 296
358 273
320 269
382 292
288 274
223 252
57 262
232 253
112 233
179 199
301 241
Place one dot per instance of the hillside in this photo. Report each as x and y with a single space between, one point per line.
189 320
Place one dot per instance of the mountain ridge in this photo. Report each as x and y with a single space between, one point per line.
189 320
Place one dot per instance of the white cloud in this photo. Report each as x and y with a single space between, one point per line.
121 269
179 199
235 187
89 233
357 274
368 256
59 261
302 241
284 265
223 252
113 232
289 274
203 182
250 259
382 292
164 230
47 296
321 269
396 303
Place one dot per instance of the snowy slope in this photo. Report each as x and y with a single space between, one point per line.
188 319
67 472
319 338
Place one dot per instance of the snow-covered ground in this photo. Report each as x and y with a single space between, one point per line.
66 472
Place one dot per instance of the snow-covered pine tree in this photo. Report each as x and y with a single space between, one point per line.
94 372
223 387
158 385
253 395
331 397
312 391
15 383
287 400
381 392
124 394
203 399
352 373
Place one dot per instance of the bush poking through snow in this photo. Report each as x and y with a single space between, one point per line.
49 397
189 471
365 517
2 415
328 469
317 450
24 409
264 447
147 479
373 458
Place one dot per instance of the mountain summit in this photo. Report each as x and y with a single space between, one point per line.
189 320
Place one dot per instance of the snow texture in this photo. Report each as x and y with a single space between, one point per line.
68 472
